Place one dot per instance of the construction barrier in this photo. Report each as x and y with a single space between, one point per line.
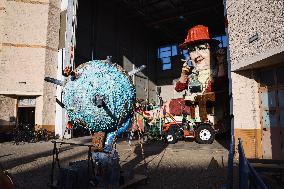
248 177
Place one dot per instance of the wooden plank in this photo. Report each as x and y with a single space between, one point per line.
268 167
266 161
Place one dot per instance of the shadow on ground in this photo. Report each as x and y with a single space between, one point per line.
38 176
30 158
163 172
173 176
224 139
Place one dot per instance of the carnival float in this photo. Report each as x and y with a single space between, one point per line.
99 96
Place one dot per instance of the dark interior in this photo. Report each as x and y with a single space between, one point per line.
26 115
132 31
137 28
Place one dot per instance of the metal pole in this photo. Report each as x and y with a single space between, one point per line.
53 163
231 164
243 168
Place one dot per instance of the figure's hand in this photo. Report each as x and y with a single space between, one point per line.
183 78
186 70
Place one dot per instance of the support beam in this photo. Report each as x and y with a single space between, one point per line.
187 13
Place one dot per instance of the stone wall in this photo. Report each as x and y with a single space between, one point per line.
49 90
49 97
264 21
29 37
245 100
246 112
247 18
7 112
22 70
23 49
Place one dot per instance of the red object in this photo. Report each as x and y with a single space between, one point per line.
181 86
167 126
177 107
69 125
188 134
209 87
72 54
6 182
146 113
197 34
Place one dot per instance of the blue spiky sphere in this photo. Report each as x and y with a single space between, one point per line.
104 79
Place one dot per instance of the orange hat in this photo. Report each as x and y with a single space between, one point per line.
197 34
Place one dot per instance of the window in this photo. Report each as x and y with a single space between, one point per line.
223 40
185 54
267 78
280 75
165 53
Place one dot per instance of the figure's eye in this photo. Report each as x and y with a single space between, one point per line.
202 48
191 49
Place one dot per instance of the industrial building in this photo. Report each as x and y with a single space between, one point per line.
41 37
256 38
131 32
29 46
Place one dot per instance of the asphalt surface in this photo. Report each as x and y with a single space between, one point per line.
181 165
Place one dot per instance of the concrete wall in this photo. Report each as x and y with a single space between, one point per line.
245 90
246 111
115 34
29 42
165 78
8 114
23 50
249 17
263 20
51 58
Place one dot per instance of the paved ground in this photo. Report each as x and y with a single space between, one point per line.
182 165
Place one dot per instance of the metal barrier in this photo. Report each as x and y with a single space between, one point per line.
230 177
55 158
248 177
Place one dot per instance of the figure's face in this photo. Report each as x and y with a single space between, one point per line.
200 56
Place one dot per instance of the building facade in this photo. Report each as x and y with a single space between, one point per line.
29 37
37 39
67 42
256 45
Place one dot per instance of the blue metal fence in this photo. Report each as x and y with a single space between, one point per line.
248 177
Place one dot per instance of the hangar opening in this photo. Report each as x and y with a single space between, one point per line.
148 33
144 32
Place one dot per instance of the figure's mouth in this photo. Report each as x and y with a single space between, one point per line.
199 59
